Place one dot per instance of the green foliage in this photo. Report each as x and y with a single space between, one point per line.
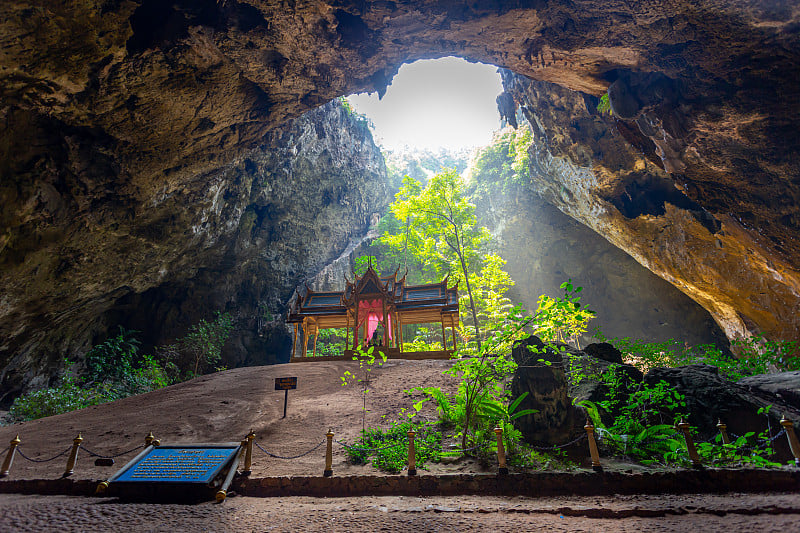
604 106
504 164
362 264
201 348
755 355
562 319
331 341
389 449
435 233
67 396
480 400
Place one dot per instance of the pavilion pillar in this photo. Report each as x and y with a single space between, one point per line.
316 337
400 332
356 340
305 336
294 341
347 333
453 332
444 334
385 324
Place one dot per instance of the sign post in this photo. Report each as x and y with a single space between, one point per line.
285 384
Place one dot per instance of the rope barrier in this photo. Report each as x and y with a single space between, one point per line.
360 449
93 454
5 450
555 447
42 460
293 457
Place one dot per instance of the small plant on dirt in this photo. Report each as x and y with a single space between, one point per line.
366 359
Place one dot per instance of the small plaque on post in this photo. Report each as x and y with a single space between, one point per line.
285 383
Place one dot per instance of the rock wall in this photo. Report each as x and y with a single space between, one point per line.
238 240
121 121
601 171
543 247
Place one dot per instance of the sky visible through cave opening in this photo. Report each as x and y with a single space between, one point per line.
444 103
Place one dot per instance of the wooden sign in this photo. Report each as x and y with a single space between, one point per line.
285 383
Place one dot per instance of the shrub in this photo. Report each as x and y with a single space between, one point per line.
389 449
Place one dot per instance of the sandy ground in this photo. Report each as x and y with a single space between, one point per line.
707 513
223 407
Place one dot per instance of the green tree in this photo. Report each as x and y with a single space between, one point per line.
442 230
205 340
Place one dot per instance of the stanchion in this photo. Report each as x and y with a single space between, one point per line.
794 444
723 431
150 440
593 452
9 460
683 425
73 456
501 452
328 472
222 493
248 455
412 454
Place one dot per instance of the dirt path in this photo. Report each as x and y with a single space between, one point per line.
765 513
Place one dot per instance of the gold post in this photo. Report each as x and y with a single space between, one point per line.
328 472
356 340
589 427
794 444
248 455
683 425
453 331
412 454
148 440
347 331
73 456
294 343
400 333
723 431
385 324
12 449
501 451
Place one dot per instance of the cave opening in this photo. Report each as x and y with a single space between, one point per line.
435 104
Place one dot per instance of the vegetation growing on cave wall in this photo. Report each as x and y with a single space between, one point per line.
115 369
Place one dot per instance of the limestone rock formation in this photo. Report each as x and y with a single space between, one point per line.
238 240
121 119
541 374
605 173
544 247
710 397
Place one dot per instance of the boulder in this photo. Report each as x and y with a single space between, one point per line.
605 351
710 397
784 385
556 421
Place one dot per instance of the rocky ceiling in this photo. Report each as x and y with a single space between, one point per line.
131 103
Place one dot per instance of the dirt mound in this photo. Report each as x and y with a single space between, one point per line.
224 407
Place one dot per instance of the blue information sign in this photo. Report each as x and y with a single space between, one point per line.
179 464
